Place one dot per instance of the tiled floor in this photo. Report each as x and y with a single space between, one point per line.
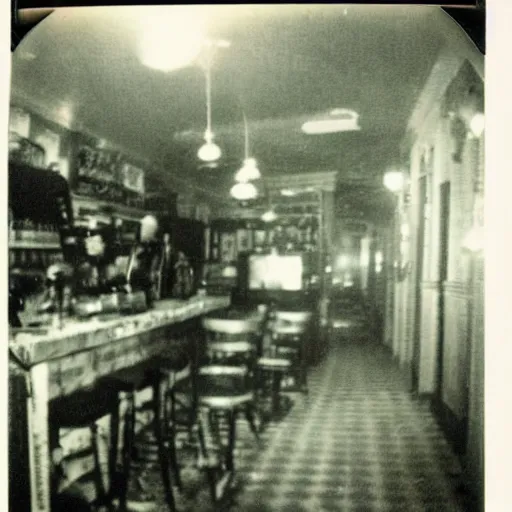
359 442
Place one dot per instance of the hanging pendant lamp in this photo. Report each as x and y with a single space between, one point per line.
209 151
249 171
244 191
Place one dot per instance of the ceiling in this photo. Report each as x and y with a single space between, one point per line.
285 64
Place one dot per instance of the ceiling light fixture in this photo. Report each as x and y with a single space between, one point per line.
171 37
209 151
244 191
249 170
286 192
338 120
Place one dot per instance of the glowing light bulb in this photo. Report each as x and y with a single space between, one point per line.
244 191
171 38
394 181
269 216
248 172
209 152
477 124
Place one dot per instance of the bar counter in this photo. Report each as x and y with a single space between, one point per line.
55 362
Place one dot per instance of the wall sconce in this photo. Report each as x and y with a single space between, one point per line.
471 112
474 239
467 120
394 181
477 124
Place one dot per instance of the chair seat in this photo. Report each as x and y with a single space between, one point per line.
218 370
233 347
231 326
226 402
273 363
341 324
288 343
281 328
299 317
223 381
291 348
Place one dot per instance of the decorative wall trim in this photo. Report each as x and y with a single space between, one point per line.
325 181
459 48
430 285
456 289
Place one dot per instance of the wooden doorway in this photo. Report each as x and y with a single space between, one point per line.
444 237
420 256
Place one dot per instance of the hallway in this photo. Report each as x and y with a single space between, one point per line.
359 442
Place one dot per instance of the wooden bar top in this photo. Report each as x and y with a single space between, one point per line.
33 346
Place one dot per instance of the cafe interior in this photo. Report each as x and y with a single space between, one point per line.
246 260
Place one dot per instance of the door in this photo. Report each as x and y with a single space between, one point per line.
443 276
420 253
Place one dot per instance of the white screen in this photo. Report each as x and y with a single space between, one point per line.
275 272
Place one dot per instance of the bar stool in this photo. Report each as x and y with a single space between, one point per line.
226 387
276 368
179 375
222 391
232 342
81 469
128 382
289 331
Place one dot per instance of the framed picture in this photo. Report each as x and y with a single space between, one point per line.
259 237
228 247
243 240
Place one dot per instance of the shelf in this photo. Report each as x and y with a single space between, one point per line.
31 239
97 207
27 244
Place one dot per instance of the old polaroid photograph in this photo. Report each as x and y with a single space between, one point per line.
246 261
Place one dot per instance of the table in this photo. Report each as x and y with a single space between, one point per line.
57 363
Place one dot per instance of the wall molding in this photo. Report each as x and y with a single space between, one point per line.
458 49
324 181
431 285
456 289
